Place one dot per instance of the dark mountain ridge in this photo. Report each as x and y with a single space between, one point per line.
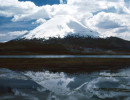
68 45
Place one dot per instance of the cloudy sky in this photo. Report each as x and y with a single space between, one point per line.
108 17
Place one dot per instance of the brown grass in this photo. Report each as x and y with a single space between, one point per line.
70 65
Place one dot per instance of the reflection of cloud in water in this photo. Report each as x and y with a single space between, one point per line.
95 86
103 84
55 82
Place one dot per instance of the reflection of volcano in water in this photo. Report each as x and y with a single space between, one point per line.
61 86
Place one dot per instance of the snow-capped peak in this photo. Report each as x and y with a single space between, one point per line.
60 26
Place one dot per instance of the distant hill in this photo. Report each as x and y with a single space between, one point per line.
67 45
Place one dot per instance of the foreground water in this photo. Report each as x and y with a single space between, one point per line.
105 85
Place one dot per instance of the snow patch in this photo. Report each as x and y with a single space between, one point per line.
60 26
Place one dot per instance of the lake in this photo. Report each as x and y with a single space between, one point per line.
104 85
65 77
64 56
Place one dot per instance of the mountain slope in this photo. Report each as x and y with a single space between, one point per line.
67 45
60 26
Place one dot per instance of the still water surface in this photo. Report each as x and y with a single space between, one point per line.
65 56
104 85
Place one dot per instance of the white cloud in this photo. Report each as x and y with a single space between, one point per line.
61 1
22 10
17 33
39 21
14 7
28 10
95 5
2 35
108 17
111 24
11 35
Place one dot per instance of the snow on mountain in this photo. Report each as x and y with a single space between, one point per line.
60 26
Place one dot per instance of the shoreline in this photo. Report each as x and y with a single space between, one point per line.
62 53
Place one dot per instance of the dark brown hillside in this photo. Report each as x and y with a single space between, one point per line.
67 45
